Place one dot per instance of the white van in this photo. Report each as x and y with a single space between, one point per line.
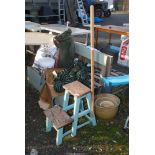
110 4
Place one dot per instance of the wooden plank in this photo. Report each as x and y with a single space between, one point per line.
97 77
37 38
116 72
96 84
58 28
118 89
113 74
49 75
114 29
43 104
99 57
58 117
28 51
32 25
108 67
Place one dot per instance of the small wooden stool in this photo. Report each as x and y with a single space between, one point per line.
57 118
79 91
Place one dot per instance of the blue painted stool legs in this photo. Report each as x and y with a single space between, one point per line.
75 114
59 136
81 106
92 116
49 125
78 105
66 99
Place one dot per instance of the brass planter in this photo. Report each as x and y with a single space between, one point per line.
106 106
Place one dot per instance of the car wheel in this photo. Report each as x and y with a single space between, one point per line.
107 13
98 13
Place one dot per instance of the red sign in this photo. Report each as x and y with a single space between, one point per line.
123 52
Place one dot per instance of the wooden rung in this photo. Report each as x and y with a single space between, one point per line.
28 51
96 84
114 74
117 73
58 117
96 76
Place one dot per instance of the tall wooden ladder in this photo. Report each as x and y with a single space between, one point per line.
61 11
82 13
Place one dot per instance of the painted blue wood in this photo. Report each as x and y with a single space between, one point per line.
75 114
89 118
89 101
81 106
88 98
78 111
59 136
83 113
93 119
67 133
82 125
49 125
71 106
114 81
66 99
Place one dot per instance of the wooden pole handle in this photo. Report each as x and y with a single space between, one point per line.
92 52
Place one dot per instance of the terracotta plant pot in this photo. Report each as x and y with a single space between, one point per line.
106 106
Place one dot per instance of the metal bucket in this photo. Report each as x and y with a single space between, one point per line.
106 106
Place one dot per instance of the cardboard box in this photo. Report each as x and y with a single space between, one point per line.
43 82
35 78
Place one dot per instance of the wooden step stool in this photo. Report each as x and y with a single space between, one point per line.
79 91
57 118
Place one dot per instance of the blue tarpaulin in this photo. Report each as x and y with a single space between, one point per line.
96 19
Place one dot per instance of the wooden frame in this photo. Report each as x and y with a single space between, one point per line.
111 29
102 60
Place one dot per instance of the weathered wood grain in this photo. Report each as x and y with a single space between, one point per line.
58 117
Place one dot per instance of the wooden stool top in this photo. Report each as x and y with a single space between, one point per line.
58 117
76 88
